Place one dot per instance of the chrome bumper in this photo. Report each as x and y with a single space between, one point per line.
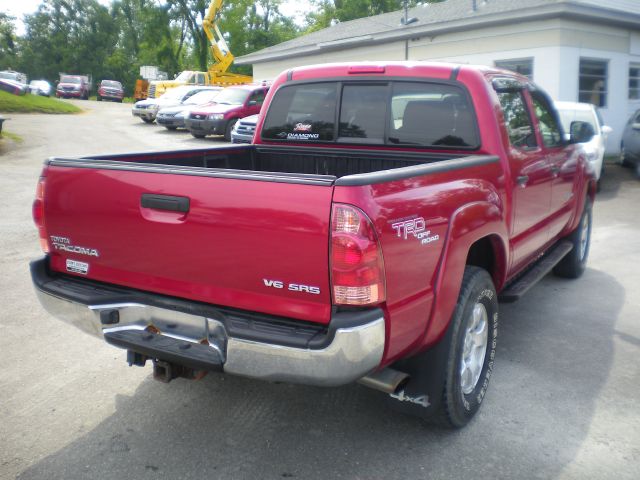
353 351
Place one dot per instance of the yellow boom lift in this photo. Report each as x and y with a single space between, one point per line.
217 73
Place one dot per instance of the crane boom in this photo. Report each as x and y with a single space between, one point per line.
222 57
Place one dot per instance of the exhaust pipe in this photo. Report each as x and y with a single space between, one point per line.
387 380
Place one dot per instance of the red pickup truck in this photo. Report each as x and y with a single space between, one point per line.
367 235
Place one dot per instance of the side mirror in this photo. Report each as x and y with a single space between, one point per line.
252 103
635 126
581 132
606 129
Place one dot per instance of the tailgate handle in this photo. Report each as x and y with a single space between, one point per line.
165 202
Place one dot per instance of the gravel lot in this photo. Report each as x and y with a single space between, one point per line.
563 401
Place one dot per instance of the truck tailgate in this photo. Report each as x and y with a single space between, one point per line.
255 245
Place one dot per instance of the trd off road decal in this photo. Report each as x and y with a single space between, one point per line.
414 228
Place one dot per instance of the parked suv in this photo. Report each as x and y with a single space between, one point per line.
110 90
244 129
76 86
231 105
585 112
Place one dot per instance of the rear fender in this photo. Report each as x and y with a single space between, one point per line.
468 225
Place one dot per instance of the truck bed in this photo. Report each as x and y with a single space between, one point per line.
330 163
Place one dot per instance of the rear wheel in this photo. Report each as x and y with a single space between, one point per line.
147 120
171 128
472 349
574 263
624 160
197 135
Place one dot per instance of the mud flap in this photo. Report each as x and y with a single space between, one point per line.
421 396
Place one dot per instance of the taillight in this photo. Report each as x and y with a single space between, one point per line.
357 267
38 214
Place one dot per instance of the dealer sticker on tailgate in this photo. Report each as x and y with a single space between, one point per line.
77 267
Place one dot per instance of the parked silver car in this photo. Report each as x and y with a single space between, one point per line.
244 129
173 117
148 109
630 144
40 87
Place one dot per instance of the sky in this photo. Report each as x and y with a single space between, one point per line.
17 8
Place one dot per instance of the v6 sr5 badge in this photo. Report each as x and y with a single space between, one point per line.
414 228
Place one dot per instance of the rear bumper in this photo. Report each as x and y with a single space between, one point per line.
210 338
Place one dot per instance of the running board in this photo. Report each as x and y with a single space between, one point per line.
536 273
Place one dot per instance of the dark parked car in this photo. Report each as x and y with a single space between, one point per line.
173 117
630 144
110 90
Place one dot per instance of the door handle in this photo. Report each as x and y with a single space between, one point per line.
165 202
522 180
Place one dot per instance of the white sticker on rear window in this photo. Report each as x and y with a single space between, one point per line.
74 266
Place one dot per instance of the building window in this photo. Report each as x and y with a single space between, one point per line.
593 82
523 66
634 81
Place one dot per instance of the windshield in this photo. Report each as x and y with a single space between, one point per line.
70 80
111 83
174 94
200 98
569 116
184 77
232 96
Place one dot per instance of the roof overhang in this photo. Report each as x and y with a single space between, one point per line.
567 11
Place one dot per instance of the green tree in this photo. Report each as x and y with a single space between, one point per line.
7 41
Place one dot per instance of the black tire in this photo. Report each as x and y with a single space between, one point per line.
99 98
574 263
227 131
457 407
198 135
170 128
147 120
624 161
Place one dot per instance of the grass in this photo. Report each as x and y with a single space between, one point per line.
10 136
34 104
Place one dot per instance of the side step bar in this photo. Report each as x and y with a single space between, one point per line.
532 276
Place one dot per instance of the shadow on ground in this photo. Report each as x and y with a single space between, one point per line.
613 177
555 352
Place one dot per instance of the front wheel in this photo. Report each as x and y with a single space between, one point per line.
197 135
574 263
227 131
624 160
147 120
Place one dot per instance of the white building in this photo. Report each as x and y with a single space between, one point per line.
577 50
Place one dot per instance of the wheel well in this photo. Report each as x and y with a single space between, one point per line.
487 254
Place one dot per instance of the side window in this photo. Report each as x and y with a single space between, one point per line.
549 128
201 79
258 97
362 111
517 119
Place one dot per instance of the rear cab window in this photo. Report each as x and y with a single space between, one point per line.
403 113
